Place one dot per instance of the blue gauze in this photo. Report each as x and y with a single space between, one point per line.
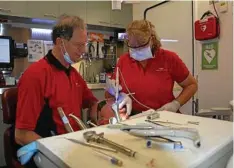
26 152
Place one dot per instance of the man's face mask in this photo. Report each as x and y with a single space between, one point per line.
66 55
141 54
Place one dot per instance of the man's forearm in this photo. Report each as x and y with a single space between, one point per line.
187 94
24 137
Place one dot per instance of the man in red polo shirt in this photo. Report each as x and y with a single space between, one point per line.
150 72
51 83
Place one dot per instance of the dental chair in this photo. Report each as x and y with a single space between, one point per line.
9 102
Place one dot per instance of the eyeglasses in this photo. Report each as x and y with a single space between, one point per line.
140 46
78 45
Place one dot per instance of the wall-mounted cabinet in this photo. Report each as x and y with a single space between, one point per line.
43 9
121 18
98 12
93 12
77 8
13 8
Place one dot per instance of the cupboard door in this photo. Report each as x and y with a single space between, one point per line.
43 9
121 18
76 8
13 8
98 12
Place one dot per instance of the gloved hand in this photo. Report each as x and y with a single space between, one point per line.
123 100
106 109
26 152
173 106
111 86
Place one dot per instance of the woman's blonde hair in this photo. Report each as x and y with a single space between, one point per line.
142 30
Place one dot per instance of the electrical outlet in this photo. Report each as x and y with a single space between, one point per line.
211 1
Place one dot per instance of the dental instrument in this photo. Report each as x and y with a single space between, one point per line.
115 106
91 145
153 115
128 127
112 159
170 144
173 132
91 123
92 136
157 122
78 121
65 120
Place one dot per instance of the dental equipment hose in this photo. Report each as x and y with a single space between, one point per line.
65 120
78 121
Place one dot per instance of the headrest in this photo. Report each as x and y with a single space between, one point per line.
9 103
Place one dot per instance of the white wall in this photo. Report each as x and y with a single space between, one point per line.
216 87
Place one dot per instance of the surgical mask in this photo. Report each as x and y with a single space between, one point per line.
141 54
66 56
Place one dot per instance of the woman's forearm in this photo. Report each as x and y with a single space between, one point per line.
187 93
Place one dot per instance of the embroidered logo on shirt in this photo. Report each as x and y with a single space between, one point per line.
161 70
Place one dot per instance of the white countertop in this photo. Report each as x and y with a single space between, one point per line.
216 141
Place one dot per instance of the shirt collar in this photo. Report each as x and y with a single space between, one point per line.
55 62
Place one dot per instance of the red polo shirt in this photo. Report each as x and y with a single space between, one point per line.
45 86
153 85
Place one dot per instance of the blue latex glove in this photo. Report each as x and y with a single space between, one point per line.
25 153
111 87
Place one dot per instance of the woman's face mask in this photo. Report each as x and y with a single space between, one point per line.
141 54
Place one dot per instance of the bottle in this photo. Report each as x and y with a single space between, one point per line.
103 77
97 78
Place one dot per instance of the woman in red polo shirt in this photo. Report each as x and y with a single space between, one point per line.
150 72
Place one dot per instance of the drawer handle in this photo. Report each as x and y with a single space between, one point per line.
101 22
117 24
5 10
50 15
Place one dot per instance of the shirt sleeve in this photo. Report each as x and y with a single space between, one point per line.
179 71
30 101
88 97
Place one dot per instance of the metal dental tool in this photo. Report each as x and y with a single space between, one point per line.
65 120
173 132
169 144
79 122
115 106
92 136
112 159
91 145
91 123
128 127
153 115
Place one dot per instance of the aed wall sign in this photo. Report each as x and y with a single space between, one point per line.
210 56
